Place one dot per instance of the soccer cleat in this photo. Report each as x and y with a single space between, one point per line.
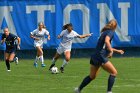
51 66
76 90
43 65
16 61
8 70
62 69
109 92
35 65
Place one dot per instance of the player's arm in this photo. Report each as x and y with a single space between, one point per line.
61 34
32 36
3 40
108 45
49 37
118 51
83 36
19 40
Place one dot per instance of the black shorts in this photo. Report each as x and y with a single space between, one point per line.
10 51
98 59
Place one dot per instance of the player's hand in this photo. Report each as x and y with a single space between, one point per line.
49 38
18 47
4 39
89 34
120 52
58 36
36 39
110 54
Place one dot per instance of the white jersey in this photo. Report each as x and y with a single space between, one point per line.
67 38
40 35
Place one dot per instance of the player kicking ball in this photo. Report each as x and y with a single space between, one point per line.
11 47
99 59
67 35
39 37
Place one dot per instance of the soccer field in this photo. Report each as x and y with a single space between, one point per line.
24 78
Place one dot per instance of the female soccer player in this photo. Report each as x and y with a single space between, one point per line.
100 58
39 38
67 36
11 47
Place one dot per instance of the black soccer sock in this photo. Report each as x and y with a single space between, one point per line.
52 65
111 81
7 64
85 82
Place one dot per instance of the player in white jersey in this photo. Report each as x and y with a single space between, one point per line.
39 38
67 35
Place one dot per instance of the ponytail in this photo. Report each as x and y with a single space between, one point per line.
66 26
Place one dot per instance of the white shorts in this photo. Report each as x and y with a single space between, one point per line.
61 50
36 44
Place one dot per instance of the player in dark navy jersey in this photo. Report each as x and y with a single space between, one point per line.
99 59
12 43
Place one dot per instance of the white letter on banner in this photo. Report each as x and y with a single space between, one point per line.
85 19
122 32
40 10
5 13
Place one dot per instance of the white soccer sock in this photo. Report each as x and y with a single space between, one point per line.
42 59
36 59
64 63
53 61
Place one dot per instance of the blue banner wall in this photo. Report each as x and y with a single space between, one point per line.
87 16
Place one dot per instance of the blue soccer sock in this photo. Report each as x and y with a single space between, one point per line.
85 82
111 81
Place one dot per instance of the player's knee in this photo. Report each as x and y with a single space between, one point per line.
67 59
10 59
114 73
92 77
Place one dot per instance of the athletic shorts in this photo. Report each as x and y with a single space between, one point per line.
61 50
10 51
38 44
98 59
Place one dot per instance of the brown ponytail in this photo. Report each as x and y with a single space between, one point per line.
66 26
111 25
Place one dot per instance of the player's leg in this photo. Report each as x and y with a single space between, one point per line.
66 60
12 57
7 61
113 72
40 55
57 55
93 73
36 59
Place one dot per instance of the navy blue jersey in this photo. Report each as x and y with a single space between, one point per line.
101 42
10 41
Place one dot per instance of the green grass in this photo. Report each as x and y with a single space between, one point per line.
24 78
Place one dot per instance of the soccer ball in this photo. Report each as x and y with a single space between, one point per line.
54 70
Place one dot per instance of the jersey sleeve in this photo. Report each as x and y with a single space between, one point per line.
14 36
62 33
46 32
33 32
110 34
76 34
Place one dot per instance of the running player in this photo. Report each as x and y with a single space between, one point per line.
67 36
11 47
39 38
100 58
